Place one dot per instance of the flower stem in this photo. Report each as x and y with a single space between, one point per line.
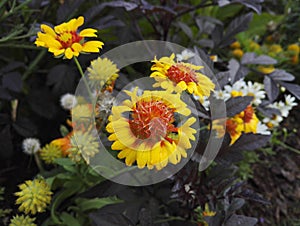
38 162
83 77
288 147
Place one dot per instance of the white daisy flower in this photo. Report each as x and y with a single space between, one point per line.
31 146
290 101
273 122
262 129
256 90
68 101
221 95
185 55
237 86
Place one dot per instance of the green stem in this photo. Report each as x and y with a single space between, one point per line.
83 77
33 64
19 46
288 147
38 163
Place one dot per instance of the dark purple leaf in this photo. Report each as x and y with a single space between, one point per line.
11 66
186 29
127 5
292 88
236 70
206 43
251 195
25 127
4 94
252 4
238 25
250 141
281 75
250 58
6 150
67 9
223 78
62 78
271 88
41 102
267 111
236 105
238 220
217 34
12 81
235 205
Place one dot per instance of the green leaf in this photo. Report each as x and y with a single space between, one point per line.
69 220
66 163
96 203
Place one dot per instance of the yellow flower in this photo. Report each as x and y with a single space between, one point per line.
238 53
63 143
180 76
34 196
22 221
150 135
103 73
244 122
266 69
235 45
294 53
51 152
83 144
65 40
275 48
207 212
254 46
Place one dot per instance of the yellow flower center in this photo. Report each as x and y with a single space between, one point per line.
180 72
67 38
152 119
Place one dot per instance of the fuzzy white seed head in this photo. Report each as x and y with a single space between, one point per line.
68 101
31 146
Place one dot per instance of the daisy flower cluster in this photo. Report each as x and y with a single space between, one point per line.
251 120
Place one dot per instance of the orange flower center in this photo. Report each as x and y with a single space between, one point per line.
180 72
152 119
231 127
248 114
67 38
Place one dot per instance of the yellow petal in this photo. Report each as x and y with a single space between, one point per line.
92 46
69 53
48 30
89 32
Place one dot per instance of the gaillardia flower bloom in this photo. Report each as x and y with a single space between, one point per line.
65 40
34 196
22 221
103 73
244 122
180 76
145 130
51 152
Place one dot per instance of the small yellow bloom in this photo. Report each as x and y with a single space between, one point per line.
207 212
266 69
65 40
180 76
150 136
235 45
103 73
34 196
22 221
51 152
294 50
254 46
238 53
275 49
